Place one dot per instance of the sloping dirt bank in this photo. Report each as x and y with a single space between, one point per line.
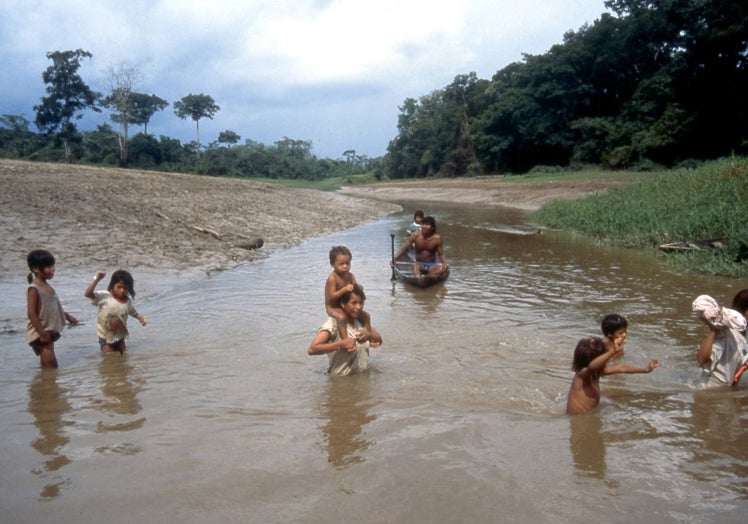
97 218
497 191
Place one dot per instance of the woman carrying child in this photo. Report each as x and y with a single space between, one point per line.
348 354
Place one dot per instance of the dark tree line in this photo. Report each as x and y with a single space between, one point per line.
656 82
652 83
286 158
68 97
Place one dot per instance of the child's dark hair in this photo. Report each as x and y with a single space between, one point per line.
431 221
39 259
339 250
357 290
740 302
417 214
126 278
587 350
612 323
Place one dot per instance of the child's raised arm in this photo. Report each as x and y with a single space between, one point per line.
627 368
89 293
598 363
704 353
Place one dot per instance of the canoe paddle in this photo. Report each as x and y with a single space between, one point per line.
392 237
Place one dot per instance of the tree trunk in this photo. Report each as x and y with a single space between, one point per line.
68 152
122 139
197 127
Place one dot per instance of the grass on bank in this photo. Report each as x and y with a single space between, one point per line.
687 205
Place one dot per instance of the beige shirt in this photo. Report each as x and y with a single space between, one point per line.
342 362
50 313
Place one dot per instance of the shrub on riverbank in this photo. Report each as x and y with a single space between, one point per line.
689 205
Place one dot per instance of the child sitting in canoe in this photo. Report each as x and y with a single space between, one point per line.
417 220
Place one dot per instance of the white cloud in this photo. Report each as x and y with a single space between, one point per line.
332 72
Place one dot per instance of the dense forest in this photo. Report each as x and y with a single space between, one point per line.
656 82
649 84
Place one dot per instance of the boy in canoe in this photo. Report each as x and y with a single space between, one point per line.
417 221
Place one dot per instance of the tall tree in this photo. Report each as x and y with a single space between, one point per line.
144 107
407 148
122 79
67 96
196 107
228 137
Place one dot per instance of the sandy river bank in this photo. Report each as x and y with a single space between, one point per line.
92 217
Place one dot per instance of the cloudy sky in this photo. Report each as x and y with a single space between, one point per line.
330 71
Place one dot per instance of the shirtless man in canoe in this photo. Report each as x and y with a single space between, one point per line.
427 244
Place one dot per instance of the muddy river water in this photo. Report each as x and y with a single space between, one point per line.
216 413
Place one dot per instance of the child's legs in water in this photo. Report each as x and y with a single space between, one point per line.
118 347
46 353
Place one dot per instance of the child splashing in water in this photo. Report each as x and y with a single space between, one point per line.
590 358
115 305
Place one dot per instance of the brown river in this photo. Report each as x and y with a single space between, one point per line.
217 414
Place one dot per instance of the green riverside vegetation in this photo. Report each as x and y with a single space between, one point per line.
681 205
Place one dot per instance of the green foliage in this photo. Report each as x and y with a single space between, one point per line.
16 140
67 96
146 152
435 133
681 205
101 146
653 84
228 137
144 106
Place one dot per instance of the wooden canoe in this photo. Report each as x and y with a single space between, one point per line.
403 270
